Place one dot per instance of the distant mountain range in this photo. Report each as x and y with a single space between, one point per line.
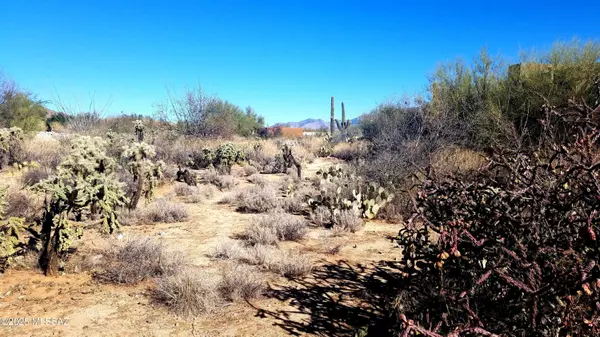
313 124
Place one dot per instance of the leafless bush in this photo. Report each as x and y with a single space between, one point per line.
241 282
347 220
137 260
47 153
321 216
187 293
165 211
256 199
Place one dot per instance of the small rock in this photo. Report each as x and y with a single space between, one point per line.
162 233
86 290
76 298
21 297
120 237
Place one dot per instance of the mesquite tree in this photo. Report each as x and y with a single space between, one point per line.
84 182
145 172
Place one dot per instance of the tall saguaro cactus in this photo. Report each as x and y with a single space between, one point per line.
331 125
344 123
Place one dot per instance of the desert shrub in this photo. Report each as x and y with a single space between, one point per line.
290 264
250 170
258 255
321 216
137 260
256 199
285 226
165 211
241 282
347 220
182 190
187 293
523 233
199 194
131 217
293 204
258 234
258 179
21 204
35 174
223 182
228 250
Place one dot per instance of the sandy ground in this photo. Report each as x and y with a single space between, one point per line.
344 291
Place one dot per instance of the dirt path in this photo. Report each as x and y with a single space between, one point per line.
342 293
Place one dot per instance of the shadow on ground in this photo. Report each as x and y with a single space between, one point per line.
338 300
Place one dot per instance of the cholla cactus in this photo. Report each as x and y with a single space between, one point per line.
145 172
85 182
10 233
11 146
227 155
139 130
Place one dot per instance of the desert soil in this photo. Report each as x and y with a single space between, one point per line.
342 293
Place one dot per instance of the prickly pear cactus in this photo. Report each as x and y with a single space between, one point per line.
343 191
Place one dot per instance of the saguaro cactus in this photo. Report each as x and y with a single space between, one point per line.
331 127
344 123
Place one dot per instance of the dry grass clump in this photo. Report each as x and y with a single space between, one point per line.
46 152
256 199
258 255
347 220
456 160
331 244
290 264
349 151
250 170
241 282
136 260
271 228
166 211
321 216
187 293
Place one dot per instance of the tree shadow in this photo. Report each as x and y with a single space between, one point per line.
338 300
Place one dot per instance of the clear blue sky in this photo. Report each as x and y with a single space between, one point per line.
284 58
